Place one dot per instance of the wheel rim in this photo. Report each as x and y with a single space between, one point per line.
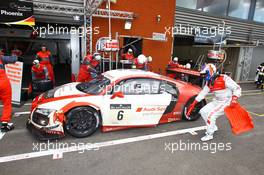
82 122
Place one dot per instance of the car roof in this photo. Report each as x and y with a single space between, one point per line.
114 75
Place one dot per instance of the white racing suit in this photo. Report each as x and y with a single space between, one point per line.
223 89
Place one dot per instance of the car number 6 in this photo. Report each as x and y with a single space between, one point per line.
120 115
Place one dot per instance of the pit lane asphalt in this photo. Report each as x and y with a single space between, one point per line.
146 157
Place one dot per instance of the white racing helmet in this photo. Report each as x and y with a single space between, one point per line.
142 59
188 66
175 59
97 56
130 50
36 62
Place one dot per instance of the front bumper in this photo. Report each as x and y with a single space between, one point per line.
42 134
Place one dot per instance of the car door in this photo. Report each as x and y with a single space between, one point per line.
143 103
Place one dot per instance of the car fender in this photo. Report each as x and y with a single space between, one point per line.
60 115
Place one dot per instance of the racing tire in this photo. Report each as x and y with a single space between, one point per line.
42 85
195 115
82 122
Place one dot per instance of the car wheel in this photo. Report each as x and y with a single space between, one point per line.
82 122
195 113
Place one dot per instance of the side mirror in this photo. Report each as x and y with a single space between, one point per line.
117 94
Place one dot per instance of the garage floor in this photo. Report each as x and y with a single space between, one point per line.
241 154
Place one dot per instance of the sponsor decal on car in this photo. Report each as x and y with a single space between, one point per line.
120 106
151 109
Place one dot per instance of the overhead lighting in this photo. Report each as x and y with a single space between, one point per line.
128 24
76 18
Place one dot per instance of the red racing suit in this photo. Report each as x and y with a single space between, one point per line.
128 56
44 58
40 73
5 88
224 90
172 64
143 66
87 67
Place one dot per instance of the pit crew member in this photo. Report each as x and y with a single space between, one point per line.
45 59
226 92
6 93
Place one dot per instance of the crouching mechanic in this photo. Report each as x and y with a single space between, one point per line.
39 71
89 68
226 92
6 93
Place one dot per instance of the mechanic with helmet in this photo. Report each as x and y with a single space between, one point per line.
6 92
141 62
89 68
226 92
44 56
129 55
39 71
174 63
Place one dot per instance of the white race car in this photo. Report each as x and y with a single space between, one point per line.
116 100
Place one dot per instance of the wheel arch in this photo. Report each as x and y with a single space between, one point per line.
73 105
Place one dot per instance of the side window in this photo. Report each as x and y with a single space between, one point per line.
169 88
140 86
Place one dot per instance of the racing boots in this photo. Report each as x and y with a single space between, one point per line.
207 137
5 127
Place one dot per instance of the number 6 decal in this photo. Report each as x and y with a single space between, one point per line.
120 115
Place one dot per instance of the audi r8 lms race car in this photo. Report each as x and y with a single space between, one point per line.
116 100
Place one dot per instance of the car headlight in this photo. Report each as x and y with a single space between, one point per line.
45 112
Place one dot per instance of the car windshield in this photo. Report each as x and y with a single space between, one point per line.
95 86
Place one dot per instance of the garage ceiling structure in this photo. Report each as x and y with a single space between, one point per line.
63 11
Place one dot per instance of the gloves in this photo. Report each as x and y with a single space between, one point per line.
191 107
234 101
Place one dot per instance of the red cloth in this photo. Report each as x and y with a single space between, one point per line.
5 95
39 72
84 74
45 60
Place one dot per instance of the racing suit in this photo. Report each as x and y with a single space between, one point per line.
172 64
45 59
5 88
144 66
128 56
40 73
88 69
225 90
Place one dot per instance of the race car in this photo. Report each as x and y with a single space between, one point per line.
115 100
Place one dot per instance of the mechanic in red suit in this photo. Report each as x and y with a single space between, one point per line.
6 93
44 56
141 62
89 68
39 71
174 63
129 55
226 92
